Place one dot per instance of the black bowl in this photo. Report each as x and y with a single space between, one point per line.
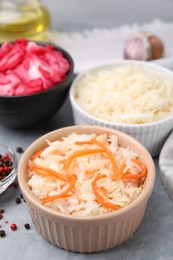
29 110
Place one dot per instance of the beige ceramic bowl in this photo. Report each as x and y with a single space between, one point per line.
151 135
91 233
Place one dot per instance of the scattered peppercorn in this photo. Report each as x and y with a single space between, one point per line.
18 200
19 149
27 226
14 184
2 211
6 222
1 216
13 226
22 197
2 233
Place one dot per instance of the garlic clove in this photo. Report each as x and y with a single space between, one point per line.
143 46
137 47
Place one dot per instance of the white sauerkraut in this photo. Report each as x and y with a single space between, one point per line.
128 94
82 200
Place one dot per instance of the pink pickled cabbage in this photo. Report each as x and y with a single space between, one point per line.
28 68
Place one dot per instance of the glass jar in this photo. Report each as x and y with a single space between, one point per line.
27 19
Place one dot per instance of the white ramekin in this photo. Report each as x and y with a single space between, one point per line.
151 135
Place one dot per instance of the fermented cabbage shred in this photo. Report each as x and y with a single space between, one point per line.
128 94
85 174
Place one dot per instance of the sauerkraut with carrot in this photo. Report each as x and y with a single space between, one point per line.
85 174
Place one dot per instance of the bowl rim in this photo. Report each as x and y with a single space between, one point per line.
121 63
69 74
144 195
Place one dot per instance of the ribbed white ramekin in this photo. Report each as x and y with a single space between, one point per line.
87 236
90 233
151 135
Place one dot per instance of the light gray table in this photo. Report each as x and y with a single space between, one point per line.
153 240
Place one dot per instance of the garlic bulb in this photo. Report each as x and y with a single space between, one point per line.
143 46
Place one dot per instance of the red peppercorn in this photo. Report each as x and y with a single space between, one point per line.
5 156
1 216
13 226
7 169
1 169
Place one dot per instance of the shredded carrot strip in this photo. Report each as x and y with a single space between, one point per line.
79 153
106 150
110 155
68 195
71 179
136 176
72 168
99 197
47 172
88 172
119 172
35 156
104 191
63 194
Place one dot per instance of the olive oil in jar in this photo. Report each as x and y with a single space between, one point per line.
23 19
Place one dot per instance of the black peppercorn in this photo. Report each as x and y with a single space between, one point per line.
9 163
4 174
18 200
2 233
27 226
19 149
14 184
